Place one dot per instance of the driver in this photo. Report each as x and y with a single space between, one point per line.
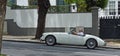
79 33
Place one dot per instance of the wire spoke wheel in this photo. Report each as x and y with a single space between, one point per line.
91 44
50 40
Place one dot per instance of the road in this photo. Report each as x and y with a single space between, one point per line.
33 49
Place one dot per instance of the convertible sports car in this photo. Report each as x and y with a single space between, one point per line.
67 38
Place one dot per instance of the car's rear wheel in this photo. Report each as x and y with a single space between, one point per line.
91 43
50 40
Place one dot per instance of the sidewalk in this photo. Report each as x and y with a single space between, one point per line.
113 43
29 39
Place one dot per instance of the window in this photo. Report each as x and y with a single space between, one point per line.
112 10
32 2
60 2
119 8
13 1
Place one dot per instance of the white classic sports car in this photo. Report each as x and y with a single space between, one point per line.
67 38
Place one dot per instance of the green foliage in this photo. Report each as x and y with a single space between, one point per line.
24 7
81 4
9 3
52 9
85 5
32 2
2 55
102 3
63 9
70 1
59 9
99 3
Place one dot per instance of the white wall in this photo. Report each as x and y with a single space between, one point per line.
22 2
69 20
53 2
27 18
25 2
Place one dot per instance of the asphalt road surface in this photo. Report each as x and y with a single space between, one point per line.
33 49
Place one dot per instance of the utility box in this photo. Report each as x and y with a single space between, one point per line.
73 7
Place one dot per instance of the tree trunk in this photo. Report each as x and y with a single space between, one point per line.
43 6
2 17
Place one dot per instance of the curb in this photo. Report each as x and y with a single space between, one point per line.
24 41
110 48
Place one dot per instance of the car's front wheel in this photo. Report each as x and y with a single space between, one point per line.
50 40
91 43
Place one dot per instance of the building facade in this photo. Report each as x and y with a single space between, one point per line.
112 9
13 1
24 22
60 2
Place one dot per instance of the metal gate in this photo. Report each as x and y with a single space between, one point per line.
110 27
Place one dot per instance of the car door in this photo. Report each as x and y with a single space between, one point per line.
75 39
63 38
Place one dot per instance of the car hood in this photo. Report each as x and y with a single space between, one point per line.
92 36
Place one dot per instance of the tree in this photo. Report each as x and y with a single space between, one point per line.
87 4
2 17
99 3
43 6
81 4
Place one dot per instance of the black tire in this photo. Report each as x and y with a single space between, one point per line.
50 40
91 43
